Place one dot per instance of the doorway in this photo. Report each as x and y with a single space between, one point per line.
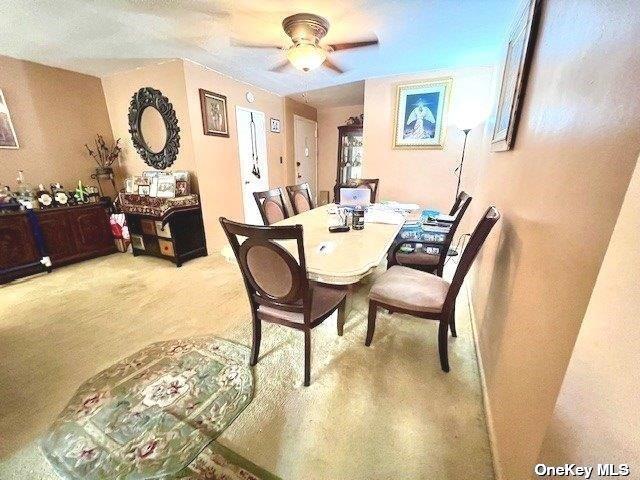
305 138
252 150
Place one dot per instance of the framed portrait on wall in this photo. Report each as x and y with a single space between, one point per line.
514 75
421 114
215 120
8 138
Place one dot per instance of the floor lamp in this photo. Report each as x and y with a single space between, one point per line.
459 169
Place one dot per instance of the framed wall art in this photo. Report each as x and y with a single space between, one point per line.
215 120
514 75
421 114
8 138
275 125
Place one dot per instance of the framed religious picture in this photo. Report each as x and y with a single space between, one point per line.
214 113
514 75
8 138
421 114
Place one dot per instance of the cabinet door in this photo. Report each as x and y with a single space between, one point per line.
91 229
17 245
58 239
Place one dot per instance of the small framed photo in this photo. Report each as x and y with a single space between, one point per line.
130 185
144 190
166 186
137 242
182 188
275 125
215 120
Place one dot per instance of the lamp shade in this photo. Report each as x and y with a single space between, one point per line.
306 56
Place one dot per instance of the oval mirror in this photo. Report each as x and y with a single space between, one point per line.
153 129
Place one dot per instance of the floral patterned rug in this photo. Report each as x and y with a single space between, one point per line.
152 414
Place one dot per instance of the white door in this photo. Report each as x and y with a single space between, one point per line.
252 147
306 145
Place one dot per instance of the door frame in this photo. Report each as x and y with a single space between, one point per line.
266 152
296 119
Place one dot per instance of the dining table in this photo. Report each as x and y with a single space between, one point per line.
341 258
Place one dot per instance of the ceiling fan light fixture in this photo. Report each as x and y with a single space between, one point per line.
306 56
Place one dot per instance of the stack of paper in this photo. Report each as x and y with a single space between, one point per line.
383 214
402 207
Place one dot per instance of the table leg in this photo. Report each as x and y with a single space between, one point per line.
349 307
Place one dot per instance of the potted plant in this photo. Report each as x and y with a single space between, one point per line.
104 156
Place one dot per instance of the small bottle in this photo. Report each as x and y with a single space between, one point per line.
24 193
357 221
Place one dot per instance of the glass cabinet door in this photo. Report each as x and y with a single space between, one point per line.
350 156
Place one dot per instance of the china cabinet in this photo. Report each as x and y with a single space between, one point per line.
349 153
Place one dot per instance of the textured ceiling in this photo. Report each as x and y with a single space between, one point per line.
101 37
334 96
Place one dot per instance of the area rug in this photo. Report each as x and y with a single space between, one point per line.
217 462
153 413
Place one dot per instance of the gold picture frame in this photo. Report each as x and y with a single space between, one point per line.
215 119
420 120
519 51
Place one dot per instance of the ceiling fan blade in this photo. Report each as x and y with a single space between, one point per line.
332 66
280 67
350 45
240 43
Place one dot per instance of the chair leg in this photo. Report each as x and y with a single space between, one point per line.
443 334
307 357
452 320
341 313
257 336
371 324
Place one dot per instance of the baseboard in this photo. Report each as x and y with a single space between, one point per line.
483 383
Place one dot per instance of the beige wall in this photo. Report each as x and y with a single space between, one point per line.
54 112
329 119
217 160
423 176
291 108
596 419
169 78
560 190
213 161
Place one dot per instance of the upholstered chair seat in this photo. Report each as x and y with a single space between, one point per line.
410 289
418 258
323 301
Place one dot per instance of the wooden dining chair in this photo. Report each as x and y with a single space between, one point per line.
370 183
406 290
277 285
300 198
433 255
271 205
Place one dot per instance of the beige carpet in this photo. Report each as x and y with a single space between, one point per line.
384 412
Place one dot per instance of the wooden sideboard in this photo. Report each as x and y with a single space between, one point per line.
70 234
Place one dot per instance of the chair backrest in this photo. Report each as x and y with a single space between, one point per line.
462 197
463 204
272 275
271 205
478 237
300 198
370 183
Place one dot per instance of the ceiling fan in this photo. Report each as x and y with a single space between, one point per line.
306 30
